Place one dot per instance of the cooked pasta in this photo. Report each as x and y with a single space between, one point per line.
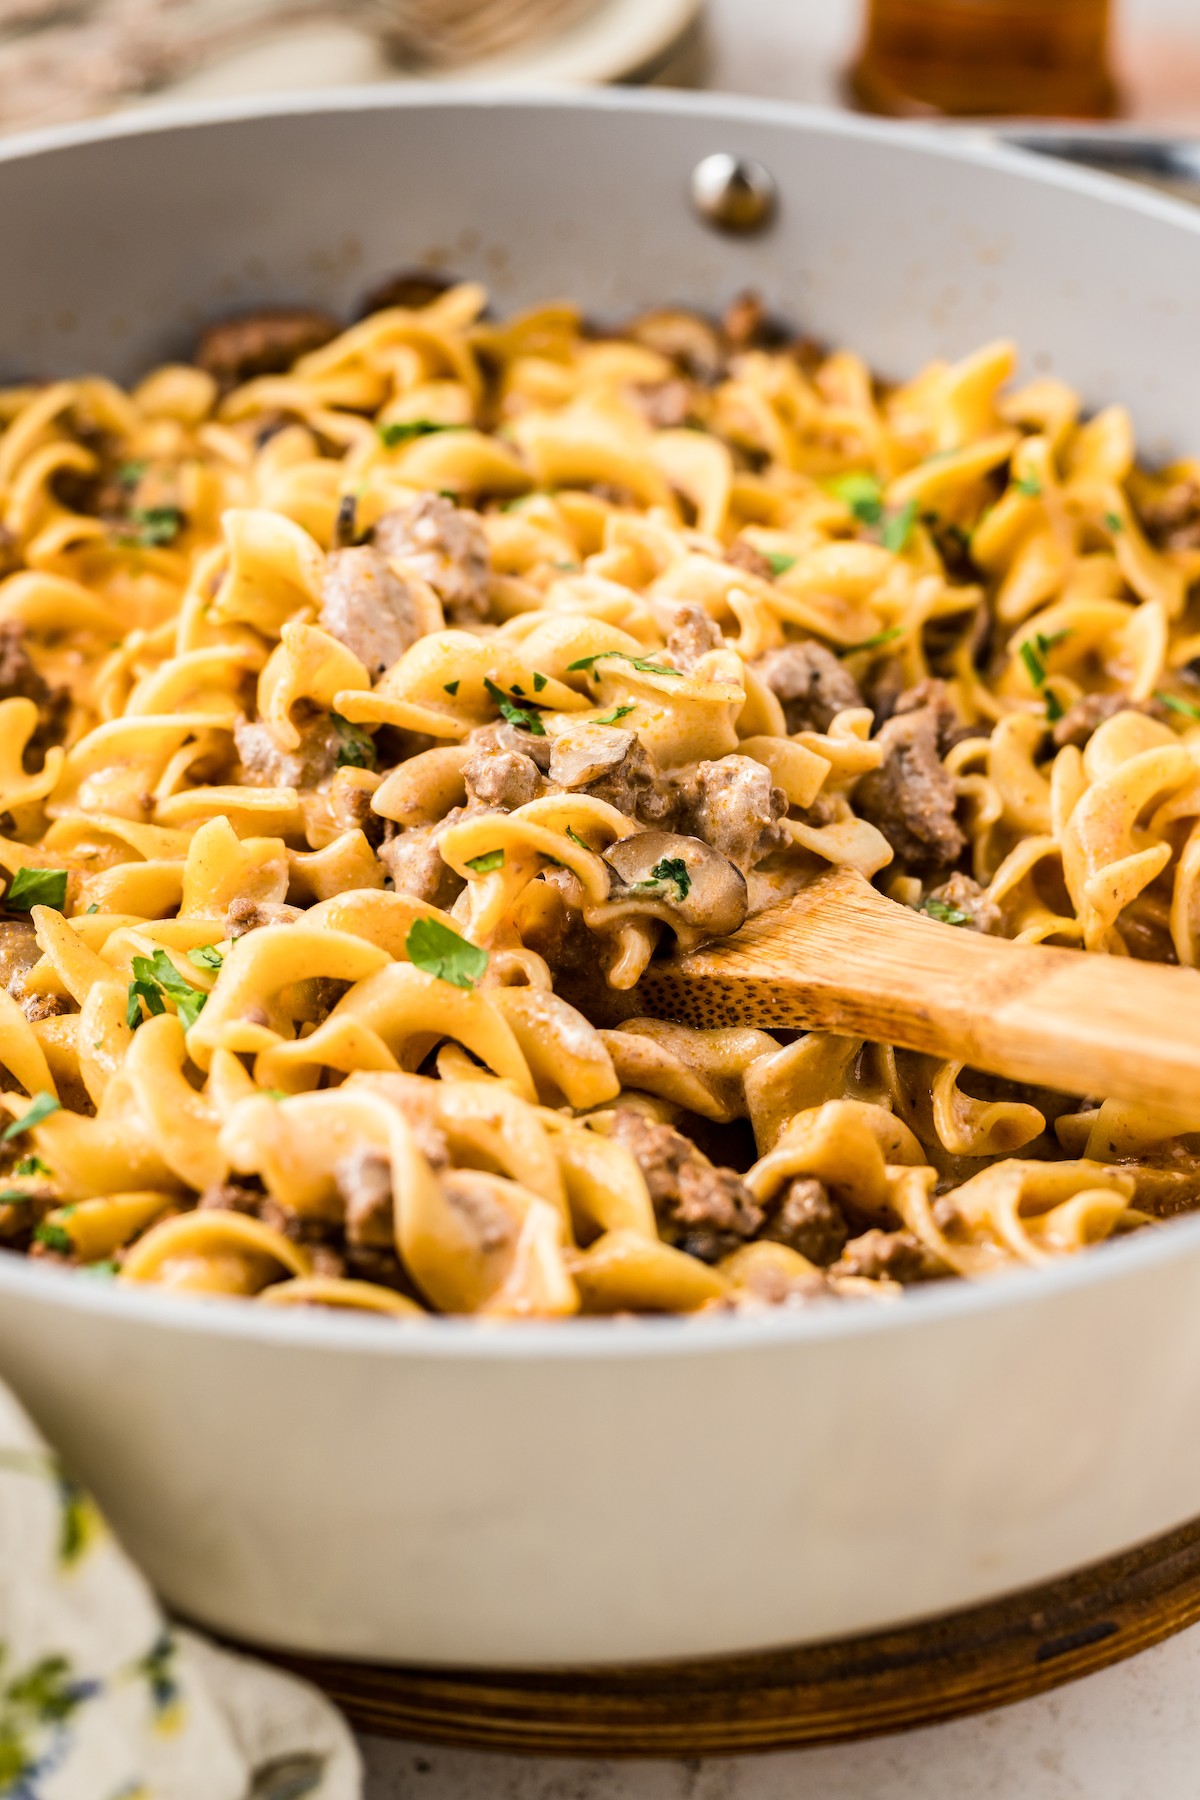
373 700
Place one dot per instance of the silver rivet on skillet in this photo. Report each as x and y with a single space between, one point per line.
733 193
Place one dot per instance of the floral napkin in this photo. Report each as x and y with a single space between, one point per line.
102 1698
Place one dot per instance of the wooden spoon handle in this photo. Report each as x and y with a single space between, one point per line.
841 957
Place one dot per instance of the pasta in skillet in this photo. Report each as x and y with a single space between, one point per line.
374 701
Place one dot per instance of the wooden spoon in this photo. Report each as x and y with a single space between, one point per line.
841 957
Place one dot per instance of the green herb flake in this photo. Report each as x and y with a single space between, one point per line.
157 975
450 687
152 527
93 908
55 1238
897 527
487 864
1033 662
130 473
618 712
37 887
1054 707
1186 708
516 715
781 562
576 839
31 1165
1030 486
274 1094
103 1271
14 1197
539 681
672 869
356 748
874 643
400 431
943 912
1114 521
641 663
439 951
207 956
862 493
42 1105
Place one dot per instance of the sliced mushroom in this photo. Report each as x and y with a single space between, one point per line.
681 880
587 752
689 340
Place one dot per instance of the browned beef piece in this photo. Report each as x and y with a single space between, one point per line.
350 806
414 862
37 1007
666 405
966 896
810 683
264 342
734 806
741 554
1088 714
744 320
471 1196
412 288
19 679
244 915
446 546
231 1196
364 1181
765 1288
933 693
910 798
503 778
263 764
807 1220
1173 521
692 635
612 765
890 1255
701 1209
367 607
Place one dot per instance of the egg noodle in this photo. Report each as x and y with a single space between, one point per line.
372 697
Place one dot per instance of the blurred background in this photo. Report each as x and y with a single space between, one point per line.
1135 60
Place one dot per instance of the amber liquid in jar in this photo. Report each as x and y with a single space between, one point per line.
986 58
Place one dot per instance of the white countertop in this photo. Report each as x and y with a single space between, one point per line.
1130 1733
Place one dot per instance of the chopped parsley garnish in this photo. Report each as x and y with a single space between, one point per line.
274 1094
576 839
487 864
1173 703
618 712
130 473
31 1165
37 887
1114 521
399 431
55 1238
874 643
641 663
672 869
356 748
897 527
943 912
523 716
207 956
42 1105
1054 707
862 493
154 976
1030 486
1035 650
433 947
93 908
104 1271
781 562
14 1197
152 526
450 687
539 681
